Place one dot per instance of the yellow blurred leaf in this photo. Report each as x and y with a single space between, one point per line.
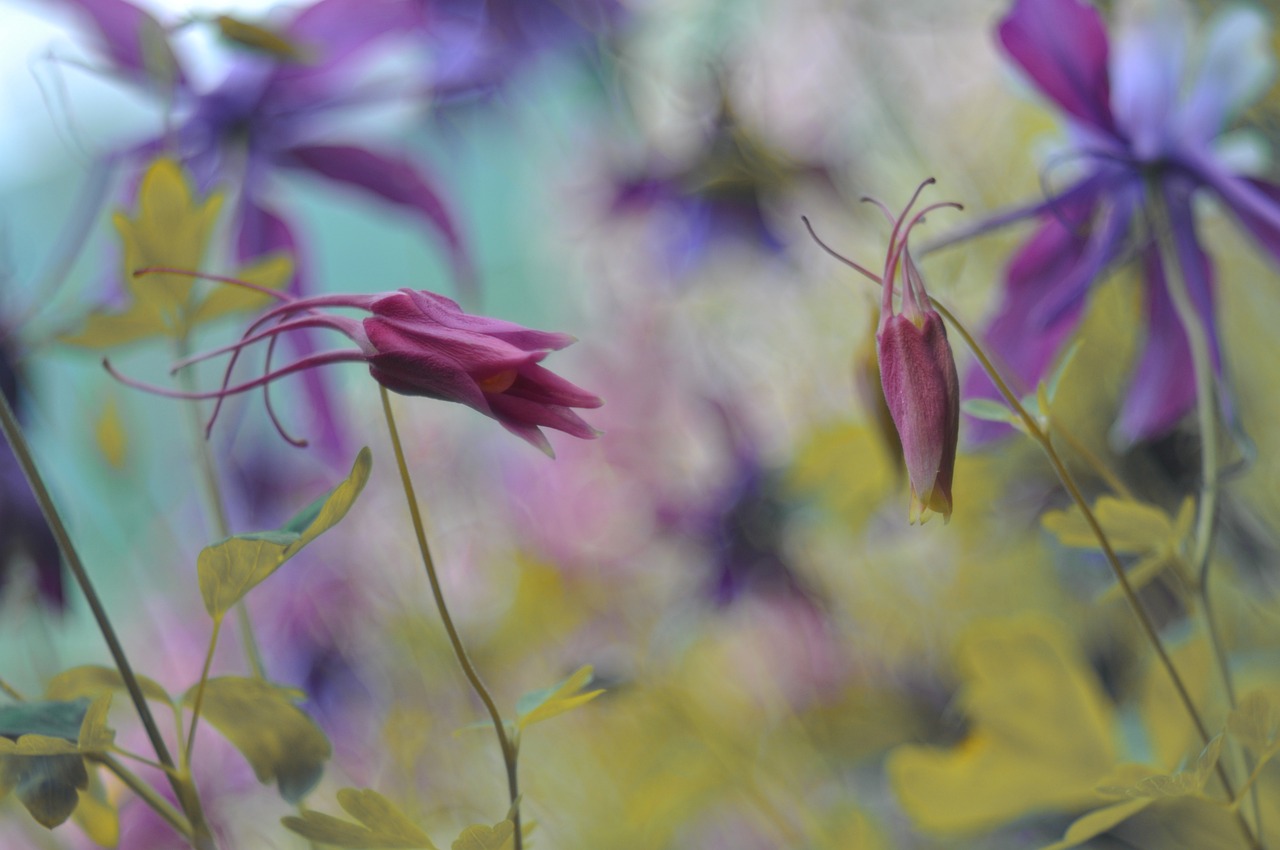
1097 822
97 816
1040 737
93 681
1169 730
271 272
37 745
110 434
279 740
845 469
1256 722
538 706
381 824
501 836
230 569
95 737
1183 783
1131 527
258 38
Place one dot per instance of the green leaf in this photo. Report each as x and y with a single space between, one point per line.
381 824
990 410
1097 822
500 836
93 681
230 569
54 719
47 785
547 703
279 740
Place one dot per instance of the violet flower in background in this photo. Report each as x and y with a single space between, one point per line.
718 197
477 46
24 535
1140 124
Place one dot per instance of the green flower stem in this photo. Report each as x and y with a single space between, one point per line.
510 749
200 836
147 794
11 692
198 703
1117 569
1206 415
213 499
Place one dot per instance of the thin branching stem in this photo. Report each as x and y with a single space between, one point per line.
199 834
1206 414
510 749
147 794
1144 620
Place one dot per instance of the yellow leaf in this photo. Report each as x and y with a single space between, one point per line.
95 737
37 745
1183 783
845 469
258 38
279 740
543 705
97 816
110 434
1131 527
1256 722
501 836
1097 822
382 824
1170 732
271 272
1040 737
230 569
92 681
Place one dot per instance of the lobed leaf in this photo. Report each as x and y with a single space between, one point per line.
381 824
51 718
500 836
230 569
537 706
95 737
92 680
261 720
1097 822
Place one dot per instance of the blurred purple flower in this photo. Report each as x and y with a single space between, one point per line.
1140 126
24 535
478 45
720 196
422 344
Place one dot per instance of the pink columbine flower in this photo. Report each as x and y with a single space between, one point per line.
918 373
420 343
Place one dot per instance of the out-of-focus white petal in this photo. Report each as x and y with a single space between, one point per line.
1235 67
1147 69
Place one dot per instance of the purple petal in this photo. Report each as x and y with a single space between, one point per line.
131 37
336 30
1163 386
259 231
1256 203
1149 67
447 313
393 179
1021 350
1062 46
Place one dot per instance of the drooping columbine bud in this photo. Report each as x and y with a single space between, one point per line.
918 373
419 343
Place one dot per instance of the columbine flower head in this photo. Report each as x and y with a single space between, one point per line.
1143 129
918 373
420 343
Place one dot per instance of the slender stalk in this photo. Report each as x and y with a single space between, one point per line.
11 692
198 703
201 838
1068 482
147 794
1206 415
510 749
213 499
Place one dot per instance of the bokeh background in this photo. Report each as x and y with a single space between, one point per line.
787 662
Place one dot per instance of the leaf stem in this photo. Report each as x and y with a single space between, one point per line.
11 692
200 836
213 499
198 703
510 750
1068 482
147 794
